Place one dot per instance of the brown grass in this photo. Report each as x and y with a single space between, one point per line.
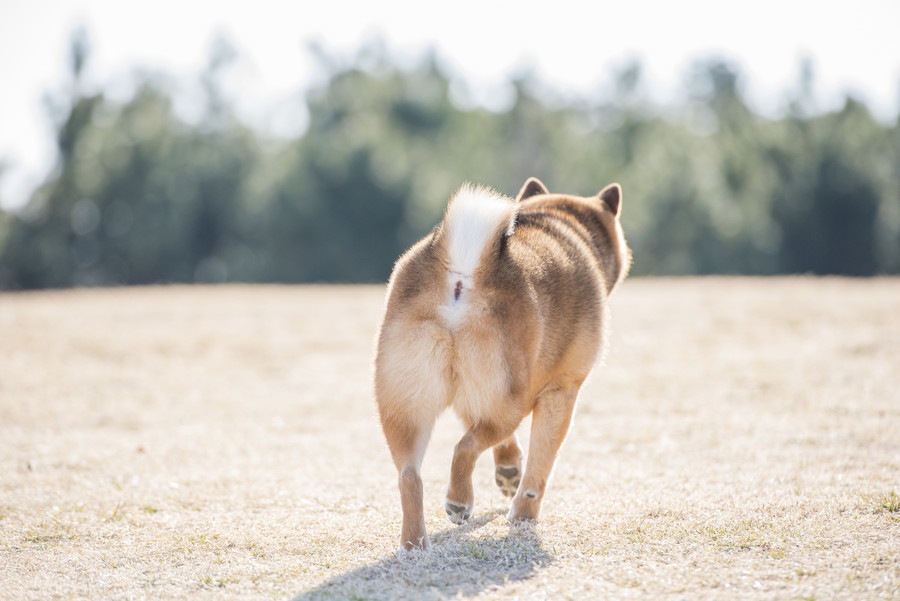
742 441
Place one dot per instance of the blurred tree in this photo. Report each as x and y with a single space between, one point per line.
140 195
827 199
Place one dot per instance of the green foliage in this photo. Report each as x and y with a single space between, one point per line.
141 196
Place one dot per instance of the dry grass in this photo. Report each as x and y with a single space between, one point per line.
743 441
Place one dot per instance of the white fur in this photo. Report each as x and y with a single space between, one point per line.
453 311
475 215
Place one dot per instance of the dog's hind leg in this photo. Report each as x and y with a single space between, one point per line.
411 391
508 465
479 438
550 423
407 437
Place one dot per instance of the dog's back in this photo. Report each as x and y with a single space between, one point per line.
498 300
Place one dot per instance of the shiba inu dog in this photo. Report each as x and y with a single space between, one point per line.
499 312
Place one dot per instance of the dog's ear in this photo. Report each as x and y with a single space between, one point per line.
533 186
611 195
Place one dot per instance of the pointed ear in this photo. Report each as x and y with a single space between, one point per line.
612 196
533 186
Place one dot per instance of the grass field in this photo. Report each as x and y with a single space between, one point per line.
741 442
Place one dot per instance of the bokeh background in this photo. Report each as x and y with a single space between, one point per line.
260 142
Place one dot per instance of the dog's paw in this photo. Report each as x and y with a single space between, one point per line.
421 544
457 512
525 506
507 478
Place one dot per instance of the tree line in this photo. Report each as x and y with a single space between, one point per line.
141 195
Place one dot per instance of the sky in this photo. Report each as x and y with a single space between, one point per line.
572 46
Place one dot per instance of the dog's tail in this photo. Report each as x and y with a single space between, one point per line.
477 219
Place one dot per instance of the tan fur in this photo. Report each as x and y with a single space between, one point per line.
532 329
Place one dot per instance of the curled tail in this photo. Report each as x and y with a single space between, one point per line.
476 218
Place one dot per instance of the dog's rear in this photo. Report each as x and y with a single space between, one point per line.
497 313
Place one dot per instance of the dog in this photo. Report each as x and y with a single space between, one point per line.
499 312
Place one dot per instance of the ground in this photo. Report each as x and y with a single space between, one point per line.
742 440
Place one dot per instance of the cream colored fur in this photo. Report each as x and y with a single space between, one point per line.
498 313
474 217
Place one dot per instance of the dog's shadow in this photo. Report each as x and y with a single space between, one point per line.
460 564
